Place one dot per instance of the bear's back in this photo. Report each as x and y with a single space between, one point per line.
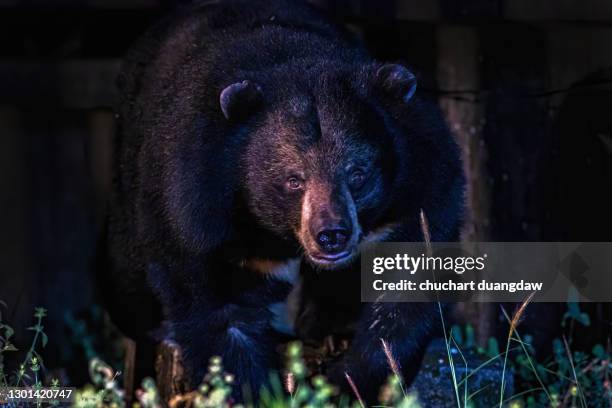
220 37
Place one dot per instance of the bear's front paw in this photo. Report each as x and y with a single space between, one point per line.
308 323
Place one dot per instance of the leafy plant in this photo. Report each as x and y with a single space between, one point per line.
105 390
28 371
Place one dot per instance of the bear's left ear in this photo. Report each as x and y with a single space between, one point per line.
396 81
240 99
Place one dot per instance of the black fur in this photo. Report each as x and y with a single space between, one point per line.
200 183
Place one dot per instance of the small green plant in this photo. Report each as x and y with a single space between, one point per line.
28 372
104 391
29 369
298 391
6 345
215 390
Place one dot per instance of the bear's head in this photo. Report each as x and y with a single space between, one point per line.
327 161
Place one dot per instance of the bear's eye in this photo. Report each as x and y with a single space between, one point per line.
356 178
294 183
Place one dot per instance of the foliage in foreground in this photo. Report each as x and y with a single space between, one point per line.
298 390
28 373
568 379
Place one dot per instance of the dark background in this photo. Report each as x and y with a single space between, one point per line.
526 86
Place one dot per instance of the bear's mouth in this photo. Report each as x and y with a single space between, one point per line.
331 261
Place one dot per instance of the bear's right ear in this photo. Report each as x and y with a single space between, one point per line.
240 100
396 81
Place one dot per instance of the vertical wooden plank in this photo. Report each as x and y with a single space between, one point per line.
172 380
60 221
517 130
582 64
129 367
17 288
458 69
101 126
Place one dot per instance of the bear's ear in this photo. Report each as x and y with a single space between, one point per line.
396 81
240 99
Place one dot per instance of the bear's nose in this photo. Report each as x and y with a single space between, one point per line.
333 241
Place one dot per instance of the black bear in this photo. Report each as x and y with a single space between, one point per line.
259 146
